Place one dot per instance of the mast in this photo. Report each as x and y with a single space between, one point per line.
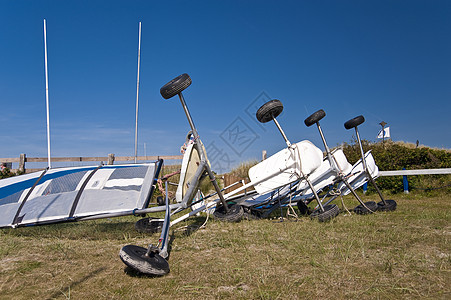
47 95
137 94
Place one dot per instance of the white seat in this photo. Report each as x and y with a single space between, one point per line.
283 167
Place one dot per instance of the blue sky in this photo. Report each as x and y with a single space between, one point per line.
387 60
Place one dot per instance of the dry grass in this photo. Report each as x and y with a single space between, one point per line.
403 254
242 170
413 146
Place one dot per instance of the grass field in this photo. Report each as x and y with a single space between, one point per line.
401 254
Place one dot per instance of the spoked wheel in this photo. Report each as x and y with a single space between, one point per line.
330 212
135 257
303 208
314 118
390 206
269 110
371 207
234 214
175 86
149 225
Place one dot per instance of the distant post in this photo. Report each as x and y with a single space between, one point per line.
111 159
383 132
22 160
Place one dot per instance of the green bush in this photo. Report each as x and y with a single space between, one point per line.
5 173
399 155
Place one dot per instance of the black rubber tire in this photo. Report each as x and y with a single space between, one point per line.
161 201
314 118
234 214
330 212
269 110
303 208
148 225
391 205
354 122
362 210
175 86
135 258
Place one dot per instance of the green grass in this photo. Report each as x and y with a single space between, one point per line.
401 254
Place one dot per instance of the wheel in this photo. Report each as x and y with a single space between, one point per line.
314 118
269 110
175 86
391 205
161 201
149 225
234 214
330 212
362 210
303 208
354 122
250 214
135 257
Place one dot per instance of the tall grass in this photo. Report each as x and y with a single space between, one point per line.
402 254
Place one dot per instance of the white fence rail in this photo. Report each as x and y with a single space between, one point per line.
405 173
416 172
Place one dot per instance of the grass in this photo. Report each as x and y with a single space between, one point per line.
401 254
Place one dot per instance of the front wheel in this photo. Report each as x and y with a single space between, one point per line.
269 110
234 214
330 212
369 208
175 86
389 206
136 258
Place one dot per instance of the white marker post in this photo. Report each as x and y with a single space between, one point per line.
137 95
47 95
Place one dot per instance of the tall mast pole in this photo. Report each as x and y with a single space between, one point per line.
137 95
47 95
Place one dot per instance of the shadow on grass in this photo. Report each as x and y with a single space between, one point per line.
75 283
92 230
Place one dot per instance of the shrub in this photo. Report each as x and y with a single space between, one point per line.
399 155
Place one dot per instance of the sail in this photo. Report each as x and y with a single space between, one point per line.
70 194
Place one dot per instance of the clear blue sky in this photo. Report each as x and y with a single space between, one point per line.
387 60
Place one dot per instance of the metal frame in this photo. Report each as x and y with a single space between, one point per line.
301 174
365 167
335 167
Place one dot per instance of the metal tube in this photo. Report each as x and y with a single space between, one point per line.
193 184
137 94
216 186
163 251
200 149
330 157
282 132
313 190
361 150
188 115
365 167
47 95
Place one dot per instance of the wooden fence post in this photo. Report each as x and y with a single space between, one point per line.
22 160
111 158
